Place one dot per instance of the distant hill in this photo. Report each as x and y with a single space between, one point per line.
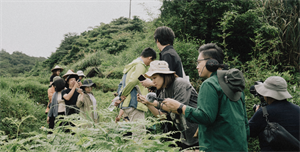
16 63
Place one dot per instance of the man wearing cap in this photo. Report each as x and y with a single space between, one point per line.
287 114
51 91
132 108
86 100
70 94
221 111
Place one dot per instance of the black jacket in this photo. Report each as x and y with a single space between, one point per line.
169 55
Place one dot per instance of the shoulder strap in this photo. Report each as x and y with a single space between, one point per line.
265 112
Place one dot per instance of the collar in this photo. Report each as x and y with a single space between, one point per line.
214 73
139 58
167 48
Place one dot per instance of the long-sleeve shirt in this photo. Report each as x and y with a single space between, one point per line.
223 124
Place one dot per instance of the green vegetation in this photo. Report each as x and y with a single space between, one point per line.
17 63
261 38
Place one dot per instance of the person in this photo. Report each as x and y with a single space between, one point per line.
57 106
80 74
55 72
70 94
285 113
128 91
172 86
221 111
164 39
50 91
86 100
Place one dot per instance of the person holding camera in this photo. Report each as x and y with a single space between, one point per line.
172 86
70 95
287 114
221 112
87 101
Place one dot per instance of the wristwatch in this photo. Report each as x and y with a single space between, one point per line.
179 110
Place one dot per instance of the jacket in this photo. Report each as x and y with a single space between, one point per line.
133 70
284 113
169 55
86 106
223 124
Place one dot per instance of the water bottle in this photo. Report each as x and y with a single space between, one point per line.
112 106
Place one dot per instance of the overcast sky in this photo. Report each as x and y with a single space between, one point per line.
36 27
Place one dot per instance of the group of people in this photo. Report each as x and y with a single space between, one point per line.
215 119
68 95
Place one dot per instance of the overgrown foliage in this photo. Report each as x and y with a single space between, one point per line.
17 63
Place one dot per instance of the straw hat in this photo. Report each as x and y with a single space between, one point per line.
69 74
161 67
80 73
57 68
54 79
274 87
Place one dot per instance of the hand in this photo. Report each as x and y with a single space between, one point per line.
80 91
147 83
117 119
172 104
142 99
76 85
80 84
48 120
257 107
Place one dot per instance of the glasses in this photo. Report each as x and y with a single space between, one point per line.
198 61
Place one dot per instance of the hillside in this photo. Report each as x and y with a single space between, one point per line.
17 63
259 52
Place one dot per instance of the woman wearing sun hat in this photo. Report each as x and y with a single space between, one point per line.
55 72
87 101
172 86
287 114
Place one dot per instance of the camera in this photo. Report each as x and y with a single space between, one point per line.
261 98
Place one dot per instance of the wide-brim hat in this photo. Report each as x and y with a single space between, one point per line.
274 87
232 83
80 73
70 74
57 68
88 83
161 67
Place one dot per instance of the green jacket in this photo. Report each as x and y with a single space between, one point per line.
134 70
223 124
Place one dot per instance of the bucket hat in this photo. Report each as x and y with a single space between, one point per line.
57 68
70 74
232 83
88 83
161 67
274 87
80 73
54 79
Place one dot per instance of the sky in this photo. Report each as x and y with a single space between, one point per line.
37 27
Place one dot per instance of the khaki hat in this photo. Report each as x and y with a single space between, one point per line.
161 67
70 73
232 83
57 68
274 87
80 73
88 83
54 79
